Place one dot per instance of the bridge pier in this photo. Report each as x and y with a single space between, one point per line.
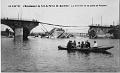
26 33
18 33
21 33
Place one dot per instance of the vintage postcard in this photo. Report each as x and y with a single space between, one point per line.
60 36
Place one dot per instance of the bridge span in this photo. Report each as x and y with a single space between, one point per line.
21 28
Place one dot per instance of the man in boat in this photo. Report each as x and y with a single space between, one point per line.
69 45
78 44
74 44
95 44
87 44
82 44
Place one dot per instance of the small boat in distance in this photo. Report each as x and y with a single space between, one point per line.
92 49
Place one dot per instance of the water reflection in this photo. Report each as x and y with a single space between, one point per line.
42 55
19 43
87 52
87 61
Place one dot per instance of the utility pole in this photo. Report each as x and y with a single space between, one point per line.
113 23
92 20
18 16
21 13
101 20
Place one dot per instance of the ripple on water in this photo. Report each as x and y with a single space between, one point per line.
42 55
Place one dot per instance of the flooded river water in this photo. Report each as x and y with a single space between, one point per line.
42 55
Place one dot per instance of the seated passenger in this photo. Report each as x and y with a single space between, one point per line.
82 44
95 44
74 44
78 44
69 45
87 44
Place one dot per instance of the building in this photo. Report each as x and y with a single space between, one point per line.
98 31
115 31
7 34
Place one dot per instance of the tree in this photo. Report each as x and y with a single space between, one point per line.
92 34
115 31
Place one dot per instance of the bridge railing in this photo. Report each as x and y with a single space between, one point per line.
19 19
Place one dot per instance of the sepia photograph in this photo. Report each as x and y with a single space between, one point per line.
60 36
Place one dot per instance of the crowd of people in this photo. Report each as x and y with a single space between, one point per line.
83 44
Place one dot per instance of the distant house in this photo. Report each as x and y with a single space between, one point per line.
97 31
4 33
115 31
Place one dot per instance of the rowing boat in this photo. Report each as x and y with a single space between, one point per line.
86 49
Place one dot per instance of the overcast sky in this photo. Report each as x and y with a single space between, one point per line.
77 16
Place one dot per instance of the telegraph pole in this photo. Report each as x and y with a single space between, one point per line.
92 20
101 20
